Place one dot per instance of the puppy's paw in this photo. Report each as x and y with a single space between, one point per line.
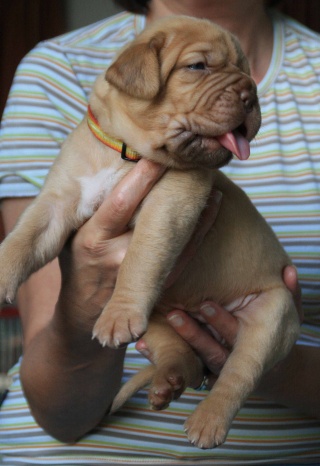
115 329
7 291
205 429
165 388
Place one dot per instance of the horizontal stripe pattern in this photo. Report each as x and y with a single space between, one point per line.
262 432
58 75
48 98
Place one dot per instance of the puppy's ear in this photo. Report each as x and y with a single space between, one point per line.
137 69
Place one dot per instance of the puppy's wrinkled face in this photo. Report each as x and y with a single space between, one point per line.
187 87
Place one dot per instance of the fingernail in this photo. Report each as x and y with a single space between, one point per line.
176 320
208 310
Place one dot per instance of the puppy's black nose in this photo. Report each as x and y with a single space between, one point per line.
247 99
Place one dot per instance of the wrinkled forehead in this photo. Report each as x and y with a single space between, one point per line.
184 37
214 44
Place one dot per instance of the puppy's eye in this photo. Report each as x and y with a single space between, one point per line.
197 66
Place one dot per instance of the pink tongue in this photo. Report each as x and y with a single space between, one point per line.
236 143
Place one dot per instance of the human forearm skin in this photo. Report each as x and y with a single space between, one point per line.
69 382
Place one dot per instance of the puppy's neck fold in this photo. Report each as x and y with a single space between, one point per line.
115 144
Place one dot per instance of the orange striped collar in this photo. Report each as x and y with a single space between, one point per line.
126 152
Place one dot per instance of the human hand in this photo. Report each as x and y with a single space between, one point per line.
91 259
290 278
215 336
70 366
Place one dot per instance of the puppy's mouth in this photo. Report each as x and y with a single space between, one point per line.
212 150
236 142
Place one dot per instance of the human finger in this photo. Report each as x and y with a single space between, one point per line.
212 353
290 278
112 217
221 323
206 220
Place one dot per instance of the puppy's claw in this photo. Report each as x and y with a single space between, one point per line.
9 300
103 343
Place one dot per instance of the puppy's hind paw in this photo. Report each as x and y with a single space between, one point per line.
165 388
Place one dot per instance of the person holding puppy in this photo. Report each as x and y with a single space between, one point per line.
71 380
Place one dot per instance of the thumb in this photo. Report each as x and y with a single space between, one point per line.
113 216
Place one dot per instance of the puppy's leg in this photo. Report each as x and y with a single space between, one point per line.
268 329
38 238
164 225
175 366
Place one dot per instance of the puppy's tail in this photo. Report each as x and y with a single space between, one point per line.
138 381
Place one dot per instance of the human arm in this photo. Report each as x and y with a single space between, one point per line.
294 382
68 378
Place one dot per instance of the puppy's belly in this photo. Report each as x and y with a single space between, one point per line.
95 188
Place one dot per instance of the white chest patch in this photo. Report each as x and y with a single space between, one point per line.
94 190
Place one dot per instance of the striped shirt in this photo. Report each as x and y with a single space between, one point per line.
282 177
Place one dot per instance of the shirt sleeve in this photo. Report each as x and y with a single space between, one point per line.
45 103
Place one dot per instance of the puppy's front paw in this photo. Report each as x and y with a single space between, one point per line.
115 328
8 290
205 428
